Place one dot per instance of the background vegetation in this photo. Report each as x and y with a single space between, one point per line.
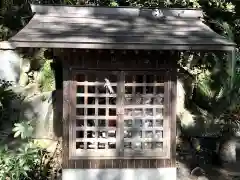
210 98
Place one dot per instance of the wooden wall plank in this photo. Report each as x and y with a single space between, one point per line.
67 163
173 96
65 118
122 163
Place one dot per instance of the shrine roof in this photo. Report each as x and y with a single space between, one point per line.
118 28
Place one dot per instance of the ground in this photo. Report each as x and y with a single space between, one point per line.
206 171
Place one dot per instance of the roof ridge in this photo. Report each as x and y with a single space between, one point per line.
117 11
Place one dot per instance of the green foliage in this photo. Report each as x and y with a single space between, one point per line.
23 129
47 79
26 162
4 32
113 4
182 3
6 98
6 94
14 15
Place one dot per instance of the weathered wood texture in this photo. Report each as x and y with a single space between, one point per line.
123 163
66 114
119 11
118 28
129 61
117 59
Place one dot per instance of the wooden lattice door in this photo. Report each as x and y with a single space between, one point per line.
96 130
119 114
145 126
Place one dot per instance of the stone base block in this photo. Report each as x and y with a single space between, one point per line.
120 174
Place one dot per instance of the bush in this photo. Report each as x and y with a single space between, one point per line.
47 79
6 98
27 162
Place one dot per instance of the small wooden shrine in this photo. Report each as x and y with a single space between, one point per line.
119 82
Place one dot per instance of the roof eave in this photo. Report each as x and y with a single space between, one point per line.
6 45
120 46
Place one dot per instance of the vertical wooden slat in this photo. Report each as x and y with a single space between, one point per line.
85 164
134 78
65 119
79 164
120 113
173 116
107 108
147 163
95 164
122 163
167 113
107 111
108 163
153 163
130 163
138 163
96 113
89 164
168 163
72 120
115 163
160 163
144 109
67 163
85 109
154 92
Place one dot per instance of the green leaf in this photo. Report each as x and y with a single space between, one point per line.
16 127
25 173
16 134
22 162
26 168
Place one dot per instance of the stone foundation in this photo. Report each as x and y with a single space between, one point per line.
120 174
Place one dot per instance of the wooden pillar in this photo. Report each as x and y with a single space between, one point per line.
67 162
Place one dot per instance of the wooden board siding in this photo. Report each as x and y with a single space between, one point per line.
66 111
87 60
123 163
172 107
116 59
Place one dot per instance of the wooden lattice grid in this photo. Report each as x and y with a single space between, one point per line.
120 114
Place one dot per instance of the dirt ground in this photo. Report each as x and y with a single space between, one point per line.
230 172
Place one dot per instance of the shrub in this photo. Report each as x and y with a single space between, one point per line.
6 97
27 162
47 79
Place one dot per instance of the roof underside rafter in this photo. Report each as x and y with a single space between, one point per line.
118 28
